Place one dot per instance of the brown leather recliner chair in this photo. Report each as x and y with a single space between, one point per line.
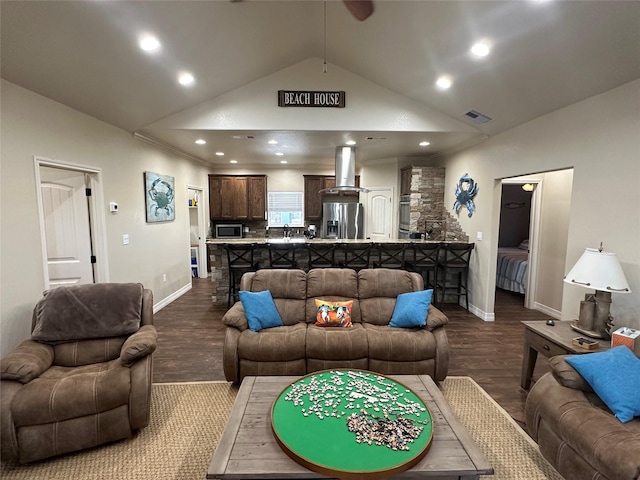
84 378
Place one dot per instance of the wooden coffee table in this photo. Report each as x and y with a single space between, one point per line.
550 341
248 449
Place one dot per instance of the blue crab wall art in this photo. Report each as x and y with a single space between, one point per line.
466 190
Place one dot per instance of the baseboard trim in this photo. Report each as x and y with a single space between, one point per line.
481 314
174 296
547 310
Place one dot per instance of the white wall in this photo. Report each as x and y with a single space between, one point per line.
35 126
599 139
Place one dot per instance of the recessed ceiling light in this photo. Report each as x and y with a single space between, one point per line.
480 49
351 142
280 154
272 142
233 161
186 79
200 141
283 161
424 144
148 43
444 82
220 154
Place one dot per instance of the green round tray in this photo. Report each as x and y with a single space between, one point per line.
310 421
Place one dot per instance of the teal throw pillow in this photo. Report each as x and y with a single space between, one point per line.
260 310
615 377
411 309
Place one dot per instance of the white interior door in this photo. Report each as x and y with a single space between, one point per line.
197 227
378 213
67 230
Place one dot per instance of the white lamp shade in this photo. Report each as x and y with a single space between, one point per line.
600 271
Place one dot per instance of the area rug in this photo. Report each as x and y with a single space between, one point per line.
187 420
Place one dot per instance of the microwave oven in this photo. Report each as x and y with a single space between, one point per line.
228 230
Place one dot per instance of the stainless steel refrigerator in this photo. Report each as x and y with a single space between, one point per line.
342 220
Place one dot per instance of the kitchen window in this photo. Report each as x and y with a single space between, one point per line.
285 208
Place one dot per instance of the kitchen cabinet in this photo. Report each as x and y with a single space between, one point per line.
237 197
313 199
405 180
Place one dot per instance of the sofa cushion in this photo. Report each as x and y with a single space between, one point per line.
333 314
80 312
281 283
334 343
260 310
615 376
378 289
47 400
399 344
288 289
411 309
275 344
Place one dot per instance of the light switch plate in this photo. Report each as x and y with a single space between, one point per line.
125 239
478 235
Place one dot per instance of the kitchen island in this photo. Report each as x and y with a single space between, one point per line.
220 269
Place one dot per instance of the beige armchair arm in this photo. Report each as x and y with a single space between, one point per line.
27 361
435 318
235 317
139 345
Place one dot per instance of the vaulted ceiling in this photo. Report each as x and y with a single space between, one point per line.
544 55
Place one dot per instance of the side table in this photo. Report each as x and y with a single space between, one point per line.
550 341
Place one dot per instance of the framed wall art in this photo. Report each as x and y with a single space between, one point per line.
159 197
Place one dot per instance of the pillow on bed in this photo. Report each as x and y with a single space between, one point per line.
524 245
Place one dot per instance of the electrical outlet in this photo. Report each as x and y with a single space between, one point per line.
164 278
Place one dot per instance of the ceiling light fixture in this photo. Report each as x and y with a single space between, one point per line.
200 141
444 82
351 142
220 154
233 161
283 161
186 79
279 154
272 142
480 49
424 144
148 43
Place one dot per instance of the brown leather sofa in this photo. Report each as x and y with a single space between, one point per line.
575 430
300 347
84 378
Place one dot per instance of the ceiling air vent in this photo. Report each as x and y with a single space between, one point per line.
477 117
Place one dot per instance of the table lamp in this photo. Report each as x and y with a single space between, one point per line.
601 271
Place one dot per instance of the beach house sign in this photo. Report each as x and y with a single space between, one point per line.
298 98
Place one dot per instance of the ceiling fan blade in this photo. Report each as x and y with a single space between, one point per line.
361 9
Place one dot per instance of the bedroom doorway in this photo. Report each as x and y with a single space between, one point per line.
517 241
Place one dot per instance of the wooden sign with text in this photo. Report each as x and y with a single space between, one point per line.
295 98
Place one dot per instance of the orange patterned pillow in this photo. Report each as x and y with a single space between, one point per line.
333 314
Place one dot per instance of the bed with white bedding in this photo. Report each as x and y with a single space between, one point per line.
511 273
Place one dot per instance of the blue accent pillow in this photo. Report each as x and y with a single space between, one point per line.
411 309
260 310
615 377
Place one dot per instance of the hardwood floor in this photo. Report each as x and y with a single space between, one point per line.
191 334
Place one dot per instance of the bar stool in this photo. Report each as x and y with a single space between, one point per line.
321 255
422 258
390 255
282 255
356 255
454 258
240 259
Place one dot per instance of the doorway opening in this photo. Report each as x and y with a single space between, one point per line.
197 232
516 226
72 223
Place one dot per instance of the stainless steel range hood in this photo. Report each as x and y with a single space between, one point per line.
345 172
